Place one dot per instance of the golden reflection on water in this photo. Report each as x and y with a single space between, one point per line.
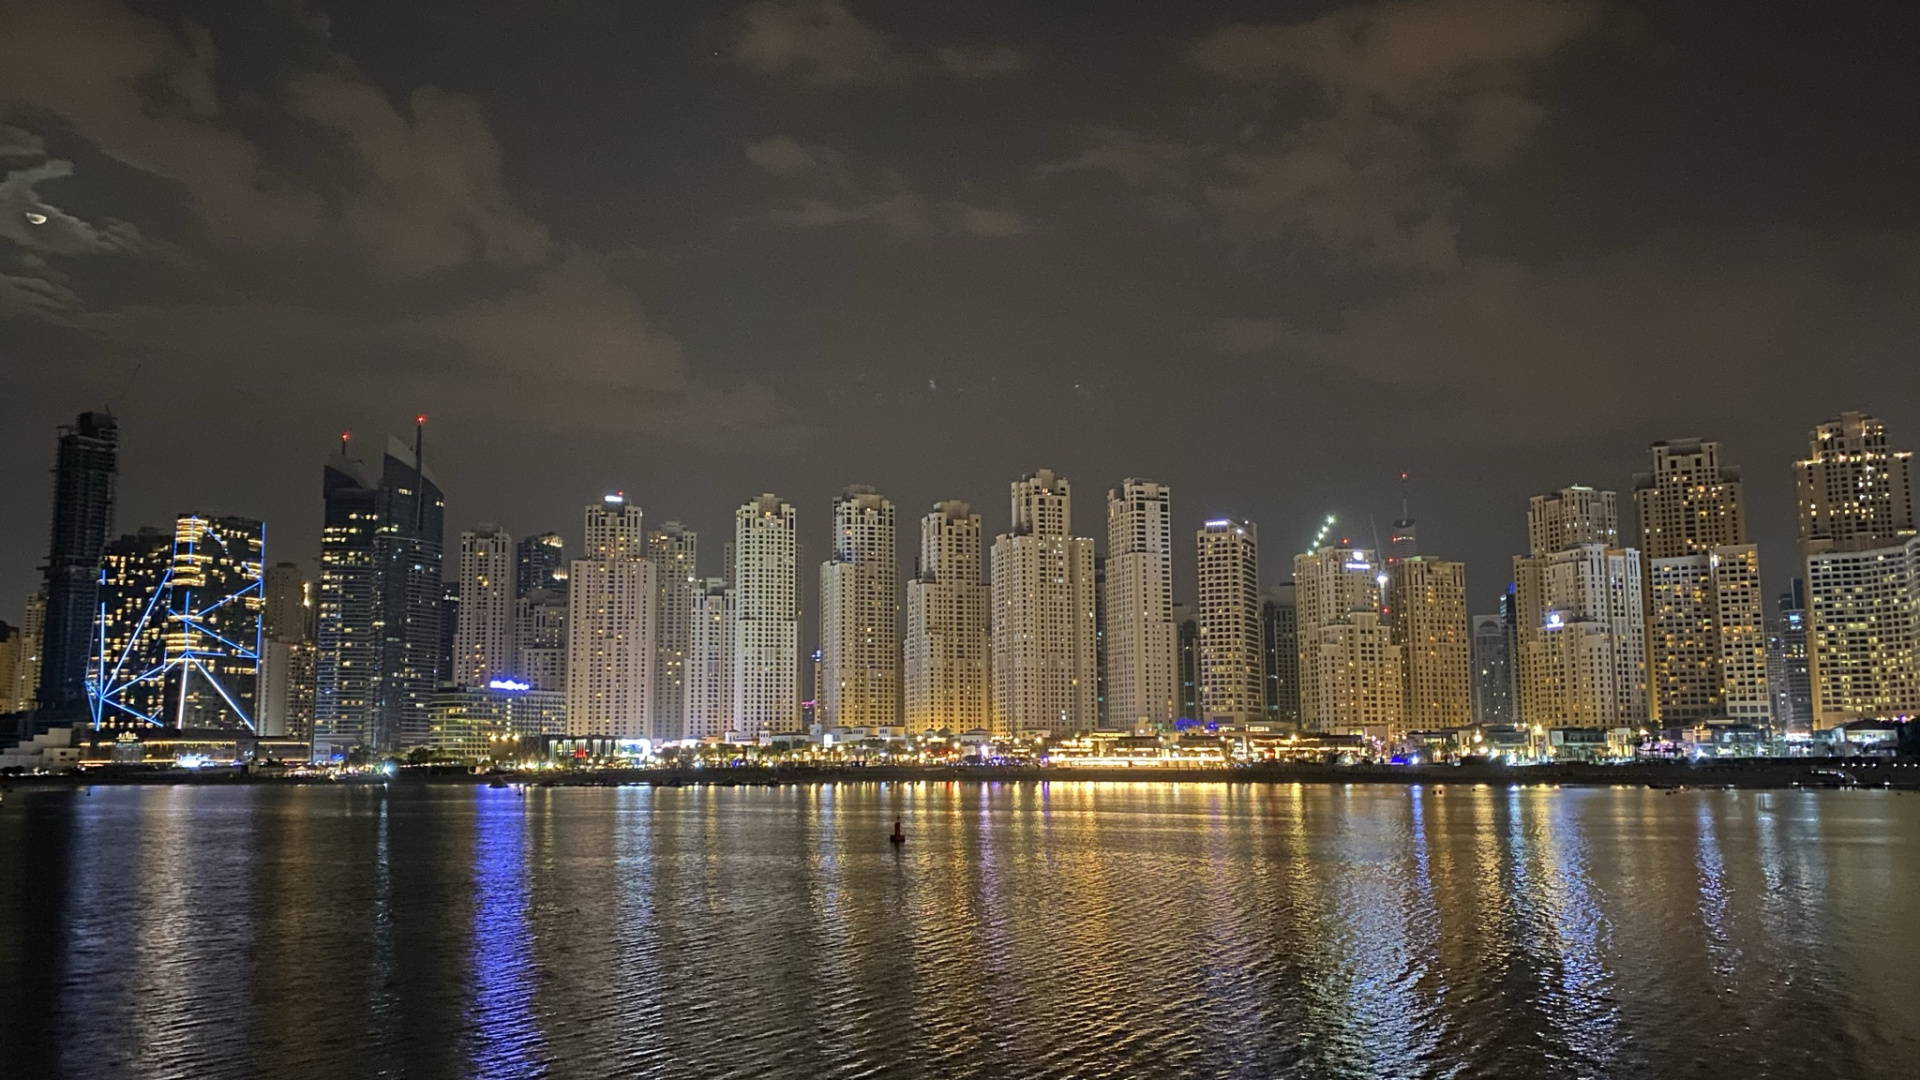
1028 929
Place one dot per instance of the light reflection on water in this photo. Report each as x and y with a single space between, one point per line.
1058 930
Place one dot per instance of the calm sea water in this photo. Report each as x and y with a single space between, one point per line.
1055 930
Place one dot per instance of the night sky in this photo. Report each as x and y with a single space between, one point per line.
1271 254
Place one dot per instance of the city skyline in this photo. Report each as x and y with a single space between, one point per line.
1659 621
1776 503
801 538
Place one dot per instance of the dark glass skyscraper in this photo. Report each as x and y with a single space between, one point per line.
83 488
1188 639
1789 678
1280 649
540 562
378 639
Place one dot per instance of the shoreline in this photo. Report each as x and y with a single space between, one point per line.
1751 774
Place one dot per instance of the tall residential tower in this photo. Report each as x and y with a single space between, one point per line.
1044 676
859 615
1232 677
1139 631
766 614
947 645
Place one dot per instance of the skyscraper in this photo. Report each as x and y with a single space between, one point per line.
1100 719
347 630
1140 638
1688 501
1427 611
1043 618
947 644
1492 671
1331 585
1706 620
766 613
1853 492
710 691
85 468
130 633
1187 640
611 593
674 550
1863 627
540 562
1857 532
859 613
1582 655
1232 685
179 635
1788 676
26 682
10 651
1280 637
287 654
412 554
1358 683
380 626
540 639
483 638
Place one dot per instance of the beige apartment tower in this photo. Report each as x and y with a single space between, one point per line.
611 595
1706 621
1582 657
947 647
709 688
859 615
1231 667
1853 493
483 634
674 551
1142 689
1358 683
1043 615
1427 609
766 618
1331 583
1857 533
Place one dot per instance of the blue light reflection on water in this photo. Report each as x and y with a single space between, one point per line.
504 1039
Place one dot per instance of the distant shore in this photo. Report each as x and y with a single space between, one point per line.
1746 774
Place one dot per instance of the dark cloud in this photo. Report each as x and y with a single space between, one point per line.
427 193
885 199
18 142
706 252
983 63
1403 94
1573 348
412 187
143 93
824 42
28 220
818 40
782 156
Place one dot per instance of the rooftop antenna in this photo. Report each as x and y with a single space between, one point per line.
420 472
1405 514
344 436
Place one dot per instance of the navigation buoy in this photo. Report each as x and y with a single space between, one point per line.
898 837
